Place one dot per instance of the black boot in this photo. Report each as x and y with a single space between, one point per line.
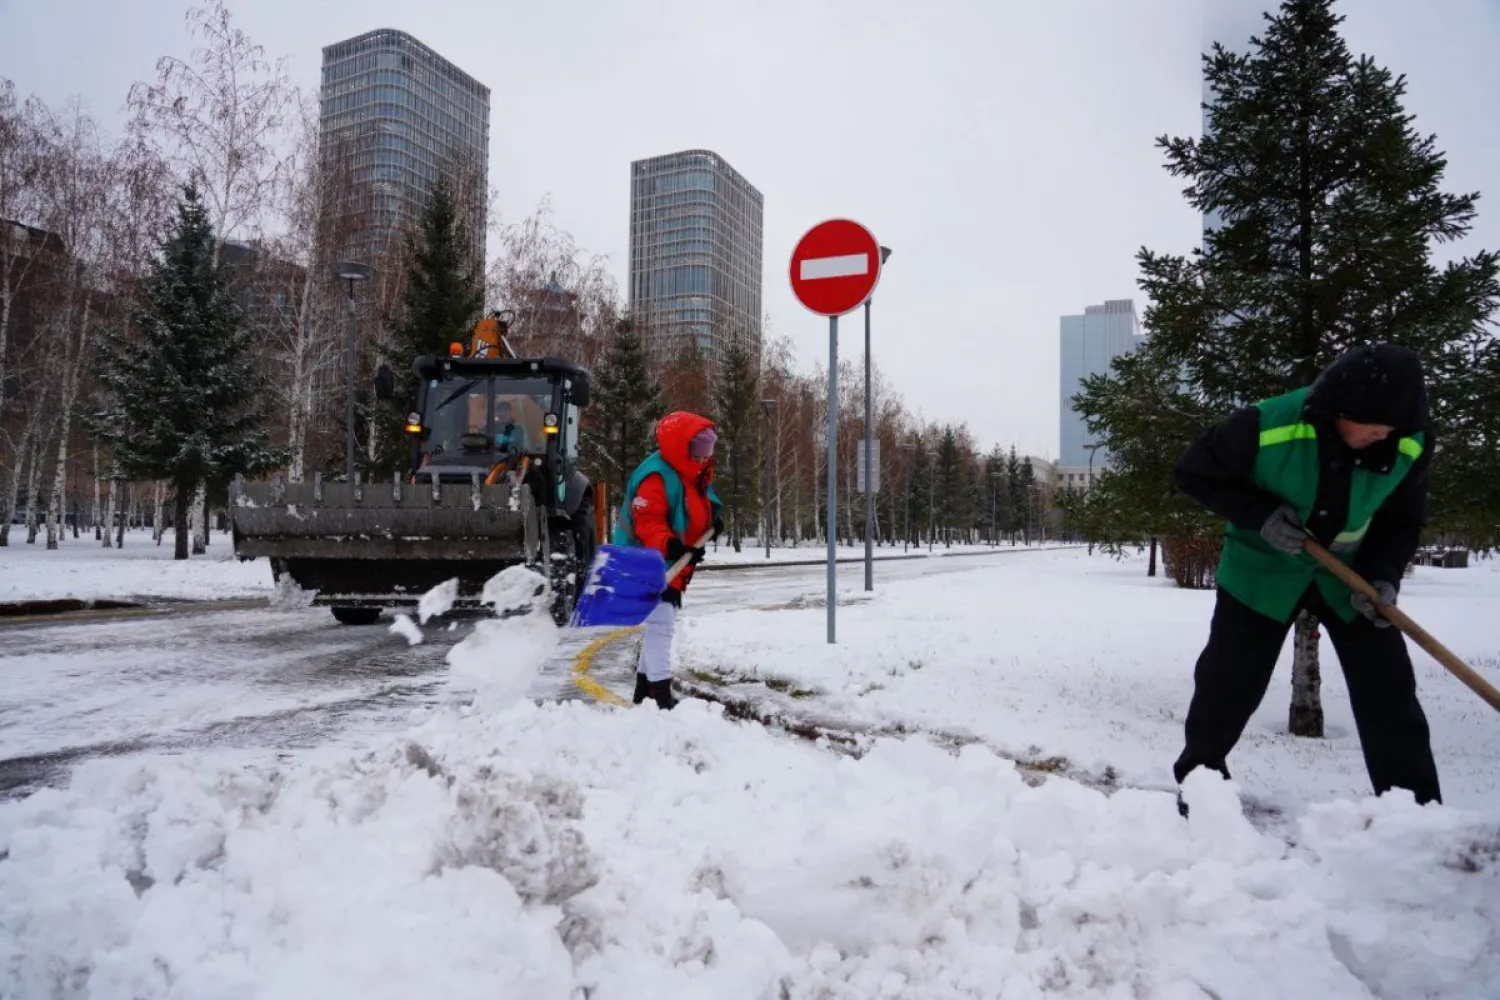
642 688
661 693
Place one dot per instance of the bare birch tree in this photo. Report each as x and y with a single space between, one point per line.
221 118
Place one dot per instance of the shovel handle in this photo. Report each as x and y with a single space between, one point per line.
1401 620
681 563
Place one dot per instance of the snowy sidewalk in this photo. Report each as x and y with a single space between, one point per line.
82 568
1087 664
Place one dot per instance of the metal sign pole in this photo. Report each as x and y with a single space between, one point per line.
833 472
869 465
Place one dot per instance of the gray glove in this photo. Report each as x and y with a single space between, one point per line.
1283 530
1367 607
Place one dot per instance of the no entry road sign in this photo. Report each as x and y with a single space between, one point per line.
835 267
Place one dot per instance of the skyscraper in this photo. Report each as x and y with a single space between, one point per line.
394 115
695 253
1087 345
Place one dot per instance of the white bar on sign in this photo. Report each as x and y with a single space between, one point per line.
846 266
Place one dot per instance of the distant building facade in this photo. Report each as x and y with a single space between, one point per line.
1087 344
395 115
695 254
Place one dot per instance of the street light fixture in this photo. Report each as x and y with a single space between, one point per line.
767 407
351 272
1089 483
885 255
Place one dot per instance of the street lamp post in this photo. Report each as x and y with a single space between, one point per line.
766 408
352 273
906 497
885 255
1089 484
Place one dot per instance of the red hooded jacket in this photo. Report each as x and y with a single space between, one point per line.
650 513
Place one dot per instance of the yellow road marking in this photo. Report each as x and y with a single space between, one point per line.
585 659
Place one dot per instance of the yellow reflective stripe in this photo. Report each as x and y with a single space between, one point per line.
1346 537
1291 432
1411 448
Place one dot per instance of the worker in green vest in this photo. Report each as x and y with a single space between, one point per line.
1343 461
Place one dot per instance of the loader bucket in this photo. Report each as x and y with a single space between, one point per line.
367 545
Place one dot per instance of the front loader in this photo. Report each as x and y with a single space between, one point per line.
493 482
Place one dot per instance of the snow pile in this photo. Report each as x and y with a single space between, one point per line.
81 568
566 850
500 660
437 601
406 629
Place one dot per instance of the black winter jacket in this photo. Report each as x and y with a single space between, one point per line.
1370 384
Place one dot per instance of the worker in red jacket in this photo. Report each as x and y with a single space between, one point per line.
669 505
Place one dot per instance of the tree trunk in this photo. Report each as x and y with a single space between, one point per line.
13 481
34 489
1151 566
109 514
1306 716
182 503
120 531
158 518
94 514
196 515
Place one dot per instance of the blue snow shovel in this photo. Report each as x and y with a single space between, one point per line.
624 584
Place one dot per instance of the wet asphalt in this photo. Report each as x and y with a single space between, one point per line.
251 682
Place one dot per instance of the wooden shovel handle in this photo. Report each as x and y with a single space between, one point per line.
682 561
1401 620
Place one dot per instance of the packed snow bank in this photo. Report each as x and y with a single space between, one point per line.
723 553
82 568
568 850
1063 655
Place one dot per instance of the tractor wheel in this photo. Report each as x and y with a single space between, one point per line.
356 616
563 575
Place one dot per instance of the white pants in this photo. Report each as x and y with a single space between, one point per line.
656 643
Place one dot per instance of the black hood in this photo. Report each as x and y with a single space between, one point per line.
1375 384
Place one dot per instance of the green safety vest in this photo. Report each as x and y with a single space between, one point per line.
656 465
1286 465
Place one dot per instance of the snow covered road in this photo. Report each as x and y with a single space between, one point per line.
263 684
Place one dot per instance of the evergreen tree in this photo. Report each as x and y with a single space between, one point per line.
443 299
952 496
922 493
626 405
187 403
1329 202
684 379
1019 479
736 398
997 494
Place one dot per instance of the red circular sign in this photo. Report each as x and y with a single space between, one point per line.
835 267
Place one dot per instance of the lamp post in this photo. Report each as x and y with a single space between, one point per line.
1089 483
906 501
885 255
767 406
352 273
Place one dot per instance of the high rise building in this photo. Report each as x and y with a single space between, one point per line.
394 115
695 254
1087 345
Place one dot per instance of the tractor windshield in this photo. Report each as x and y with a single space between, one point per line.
479 421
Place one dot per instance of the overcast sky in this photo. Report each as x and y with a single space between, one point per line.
1002 148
